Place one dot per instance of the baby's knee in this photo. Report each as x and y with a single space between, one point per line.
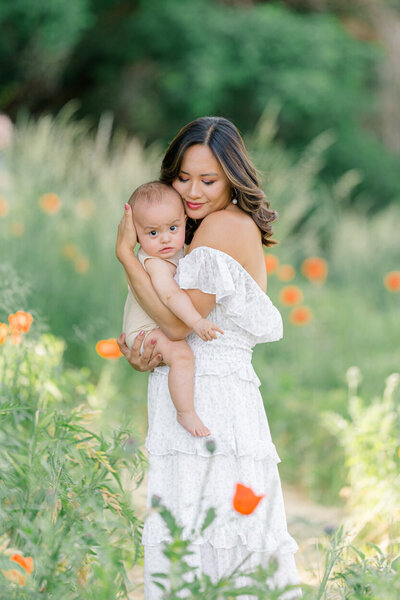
182 353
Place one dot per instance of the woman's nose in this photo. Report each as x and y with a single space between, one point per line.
194 191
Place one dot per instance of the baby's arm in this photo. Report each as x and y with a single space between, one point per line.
162 277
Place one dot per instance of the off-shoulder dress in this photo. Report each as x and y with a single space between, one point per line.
228 401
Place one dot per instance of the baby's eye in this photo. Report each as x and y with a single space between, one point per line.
173 228
153 233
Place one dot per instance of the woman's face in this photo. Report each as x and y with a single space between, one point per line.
202 183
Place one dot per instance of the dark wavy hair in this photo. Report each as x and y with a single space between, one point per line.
226 144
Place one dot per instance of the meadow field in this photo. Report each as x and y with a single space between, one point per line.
73 421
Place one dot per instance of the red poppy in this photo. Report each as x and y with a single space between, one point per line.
315 269
108 348
392 281
290 295
300 315
245 500
271 263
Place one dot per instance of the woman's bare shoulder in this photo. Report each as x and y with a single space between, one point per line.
231 231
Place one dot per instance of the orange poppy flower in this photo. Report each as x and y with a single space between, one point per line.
17 228
290 295
4 208
286 273
315 269
26 563
108 348
15 576
4 331
50 203
392 281
300 315
271 263
245 500
20 322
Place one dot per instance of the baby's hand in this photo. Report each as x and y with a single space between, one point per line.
206 330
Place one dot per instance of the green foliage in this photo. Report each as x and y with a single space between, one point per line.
36 41
62 501
182 576
157 65
370 439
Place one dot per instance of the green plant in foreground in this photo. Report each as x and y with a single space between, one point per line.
183 576
62 501
370 440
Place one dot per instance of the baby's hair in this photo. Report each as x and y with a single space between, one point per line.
152 191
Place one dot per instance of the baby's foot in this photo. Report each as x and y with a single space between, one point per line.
192 422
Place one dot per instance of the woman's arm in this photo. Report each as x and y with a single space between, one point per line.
142 287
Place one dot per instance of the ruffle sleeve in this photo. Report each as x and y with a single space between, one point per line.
215 272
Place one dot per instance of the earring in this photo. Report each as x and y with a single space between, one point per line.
234 196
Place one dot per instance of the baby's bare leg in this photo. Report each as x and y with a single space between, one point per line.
179 357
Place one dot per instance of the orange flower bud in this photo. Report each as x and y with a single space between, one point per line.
245 500
315 269
286 273
17 228
290 295
70 251
108 348
50 203
15 576
271 263
4 208
300 315
26 563
391 281
20 322
82 264
4 331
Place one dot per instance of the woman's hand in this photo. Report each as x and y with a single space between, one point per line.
140 362
126 237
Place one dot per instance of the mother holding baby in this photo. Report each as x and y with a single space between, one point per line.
223 272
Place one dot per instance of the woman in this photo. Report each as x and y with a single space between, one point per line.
224 274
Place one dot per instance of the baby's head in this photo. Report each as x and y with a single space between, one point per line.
159 218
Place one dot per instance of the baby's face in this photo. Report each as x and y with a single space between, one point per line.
160 225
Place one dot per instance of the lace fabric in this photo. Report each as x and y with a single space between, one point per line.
228 400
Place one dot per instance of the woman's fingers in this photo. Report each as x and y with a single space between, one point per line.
126 236
122 345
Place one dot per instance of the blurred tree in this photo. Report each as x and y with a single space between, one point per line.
158 65
36 40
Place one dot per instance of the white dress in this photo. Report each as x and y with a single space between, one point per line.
228 401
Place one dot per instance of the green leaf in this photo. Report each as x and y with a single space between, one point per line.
209 518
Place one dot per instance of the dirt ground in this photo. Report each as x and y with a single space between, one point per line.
306 523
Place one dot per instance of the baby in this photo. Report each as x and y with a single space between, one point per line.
159 219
